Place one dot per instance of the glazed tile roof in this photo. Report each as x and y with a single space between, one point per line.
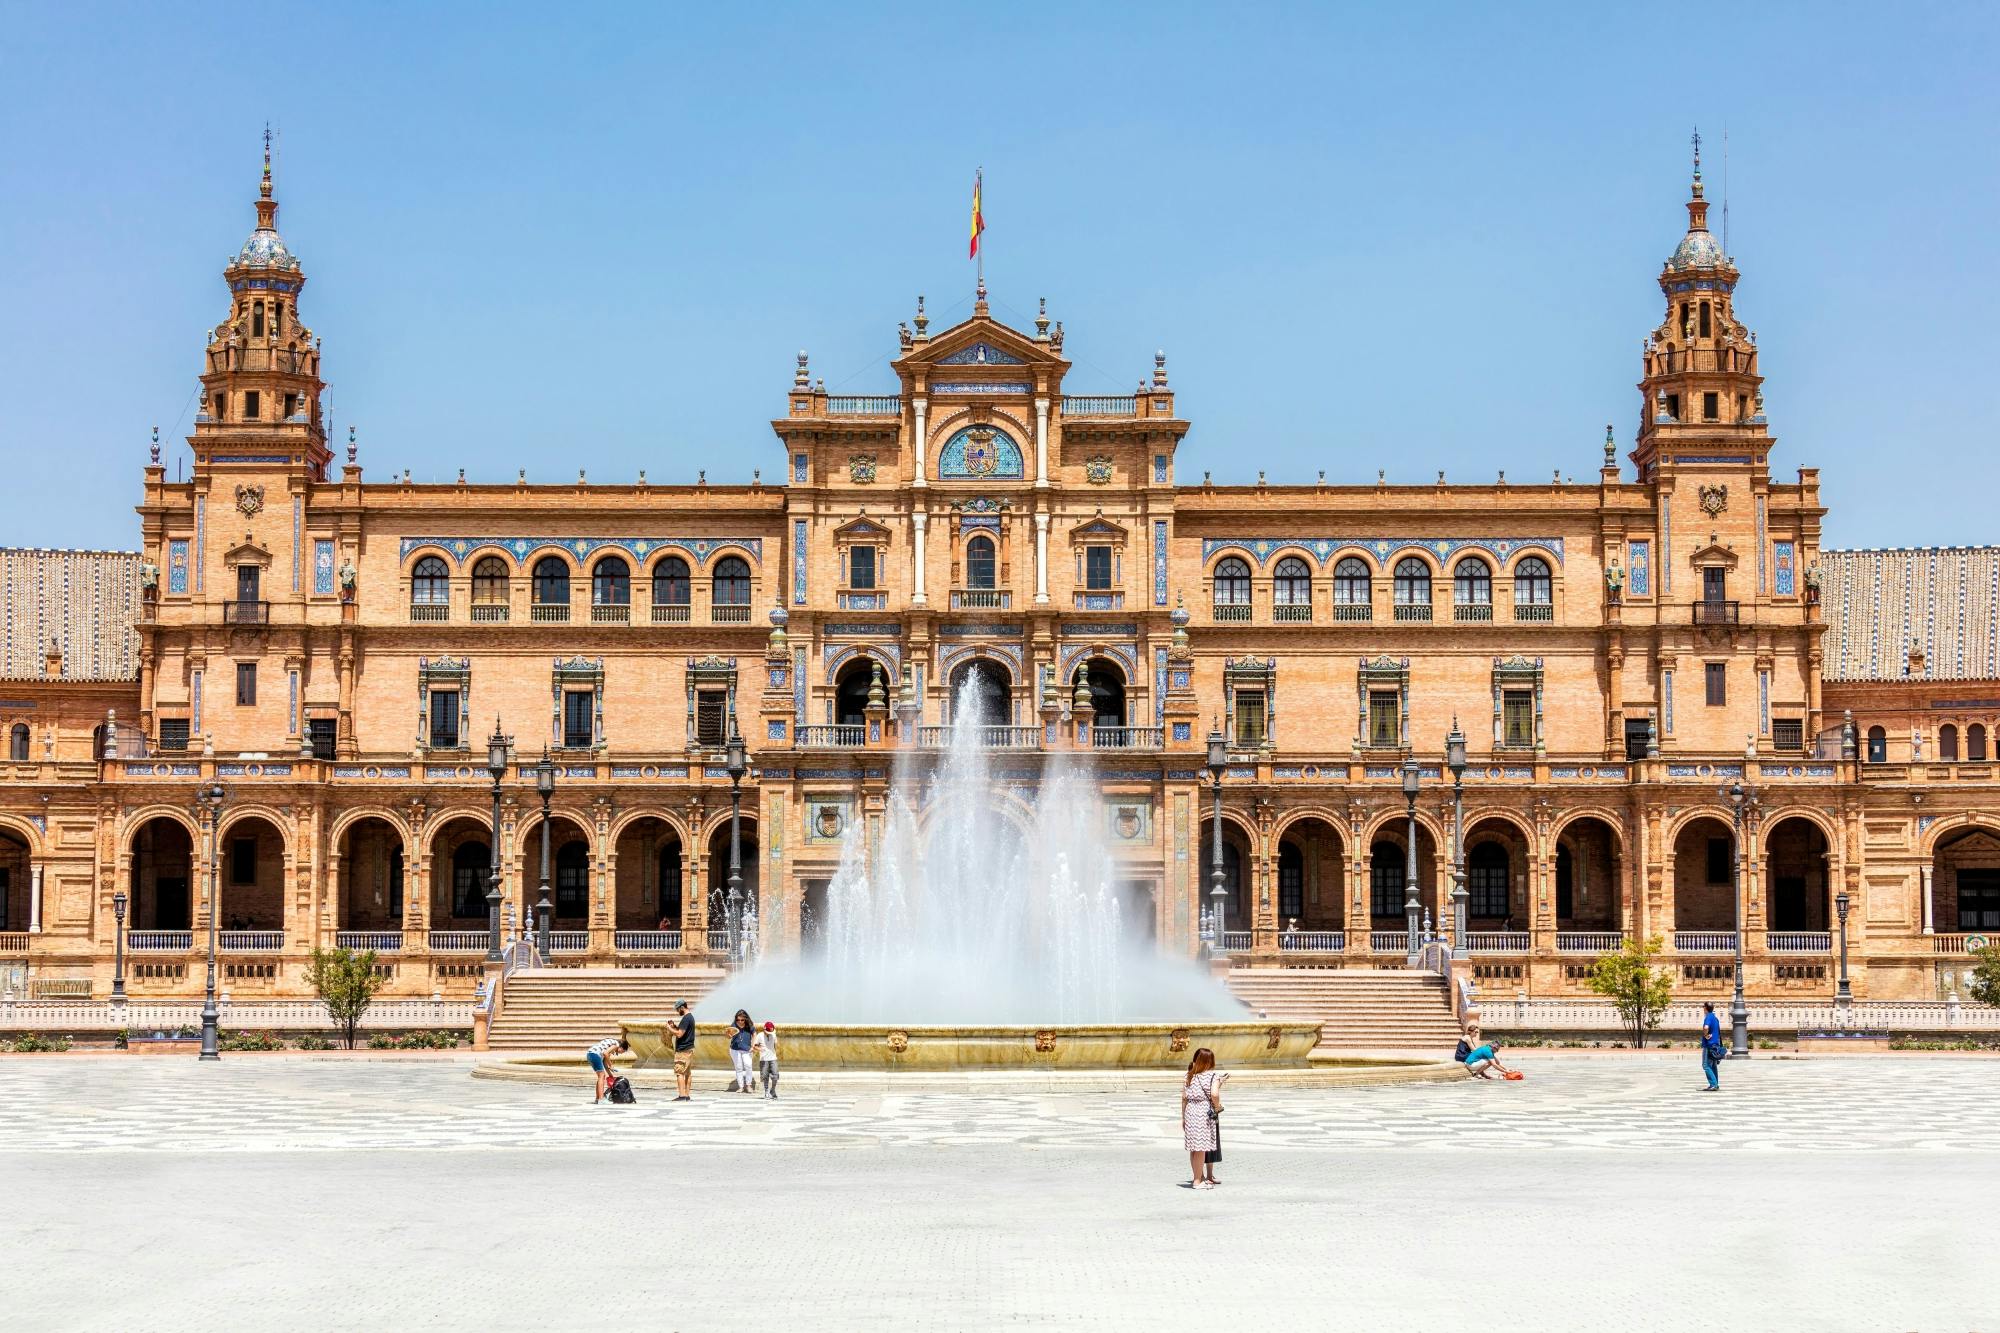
86 602
1945 599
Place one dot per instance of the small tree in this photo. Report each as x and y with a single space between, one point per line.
1629 980
345 982
1985 982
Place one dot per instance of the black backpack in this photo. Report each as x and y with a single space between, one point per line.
1464 1049
621 1091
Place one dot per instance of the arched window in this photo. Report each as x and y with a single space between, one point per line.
979 563
573 880
1878 746
1350 582
1413 582
257 320
470 862
430 582
1533 584
17 743
732 582
611 582
850 693
1948 742
1385 882
671 584
1106 684
1975 743
489 581
1486 881
1293 583
551 581
1472 582
1232 583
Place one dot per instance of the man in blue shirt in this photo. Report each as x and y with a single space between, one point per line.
1711 1047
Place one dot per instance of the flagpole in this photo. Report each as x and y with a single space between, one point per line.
979 250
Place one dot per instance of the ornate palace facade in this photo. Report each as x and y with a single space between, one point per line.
333 651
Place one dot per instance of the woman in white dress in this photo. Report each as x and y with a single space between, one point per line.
1201 1102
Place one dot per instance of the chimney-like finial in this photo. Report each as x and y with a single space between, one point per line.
1160 371
801 379
156 445
1042 321
350 446
1610 448
922 321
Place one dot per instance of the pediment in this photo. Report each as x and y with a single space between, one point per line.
247 552
980 344
861 529
1098 530
1712 556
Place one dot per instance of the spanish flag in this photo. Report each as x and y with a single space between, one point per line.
978 219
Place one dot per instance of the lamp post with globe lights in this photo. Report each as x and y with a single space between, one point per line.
497 746
1218 896
1411 907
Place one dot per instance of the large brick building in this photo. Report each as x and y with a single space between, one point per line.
1618 651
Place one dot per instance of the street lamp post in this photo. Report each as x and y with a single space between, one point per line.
737 765
1843 994
1742 799
211 798
1218 896
497 746
118 949
1454 759
1410 904
545 787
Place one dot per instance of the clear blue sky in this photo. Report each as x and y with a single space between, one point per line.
1405 237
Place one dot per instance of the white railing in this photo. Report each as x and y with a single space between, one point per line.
832 736
978 599
159 941
671 613
1589 941
1472 611
13 941
1235 941
1534 611
460 941
991 738
430 611
1230 613
1955 943
1388 941
1353 611
1313 941
549 613
1292 613
718 941
1496 941
863 404
1100 405
251 941
646 941
1705 941
729 615
489 612
1127 738
1413 610
381 941
568 941
148 1016
1799 941
1765 1016
610 613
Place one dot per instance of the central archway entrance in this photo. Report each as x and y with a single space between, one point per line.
982 694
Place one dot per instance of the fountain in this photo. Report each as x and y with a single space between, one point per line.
984 923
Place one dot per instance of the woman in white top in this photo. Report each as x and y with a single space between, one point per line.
1201 1103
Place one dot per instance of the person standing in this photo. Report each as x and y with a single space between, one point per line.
599 1057
683 1029
742 1032
1201 1105
765 1047
1711 1047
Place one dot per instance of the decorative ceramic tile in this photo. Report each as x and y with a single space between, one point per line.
1324 549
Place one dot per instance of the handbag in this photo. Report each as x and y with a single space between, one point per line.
1214 1154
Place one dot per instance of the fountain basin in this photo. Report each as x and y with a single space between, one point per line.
1237 1045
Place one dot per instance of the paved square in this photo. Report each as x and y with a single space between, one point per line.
1604 1192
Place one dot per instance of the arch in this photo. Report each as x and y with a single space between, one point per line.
17 880
1975 743
1291 582
18 742
160 875
1353 581
1499 865
23 830
530 850
570 886
1705 881
729 582
1877 751
1105 679
718 870
416 555
1949 827
1472 581
981 562
549 580
430 582
1382 882
1589 873
982 692
1965 880
1413 581
1311 873
1798 874
981 452
461 858
851 684
1947 743
1231 578
1517 824
373 872
250 855
648 887
611 582
1511 561
1239 852
1534 581
231 818
492 577
673 583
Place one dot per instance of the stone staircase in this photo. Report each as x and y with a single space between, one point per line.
1387 1010
571 1007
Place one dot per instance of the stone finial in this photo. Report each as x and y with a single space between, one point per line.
208 744
801 378
878 689
819 385
1042 321
756 476
701 477
1080 697
1610 448
522 476
579 477
642 476
1160 371
156 446
1503 477
461 476
350 446
779 619
922 321
406 476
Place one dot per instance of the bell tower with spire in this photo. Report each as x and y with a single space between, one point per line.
1701 380
260 379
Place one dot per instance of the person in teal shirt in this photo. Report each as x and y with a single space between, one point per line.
1483 1060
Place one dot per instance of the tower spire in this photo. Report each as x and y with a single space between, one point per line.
267 207
1697 205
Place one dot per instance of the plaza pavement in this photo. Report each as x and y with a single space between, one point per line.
1602 1193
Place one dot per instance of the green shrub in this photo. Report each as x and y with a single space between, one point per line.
312 1041
440 1040
345 982
252 1041
1984 986
29 1042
